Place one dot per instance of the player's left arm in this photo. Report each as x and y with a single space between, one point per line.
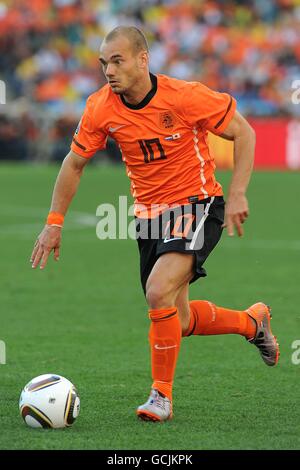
243 135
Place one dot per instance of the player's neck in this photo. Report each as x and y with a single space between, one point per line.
137 93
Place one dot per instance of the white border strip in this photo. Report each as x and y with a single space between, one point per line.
202 161
205 215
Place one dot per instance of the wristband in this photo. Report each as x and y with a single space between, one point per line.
56 219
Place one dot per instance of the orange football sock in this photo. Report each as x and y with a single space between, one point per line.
208 319
165 338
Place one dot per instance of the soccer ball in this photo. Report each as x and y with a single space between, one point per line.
49 401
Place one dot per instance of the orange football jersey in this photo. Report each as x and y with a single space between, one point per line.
163 139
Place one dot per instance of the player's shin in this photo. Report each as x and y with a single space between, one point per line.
165 338
208 319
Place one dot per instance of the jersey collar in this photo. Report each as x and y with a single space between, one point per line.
147 98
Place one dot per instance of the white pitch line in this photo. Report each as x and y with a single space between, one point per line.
25 211
75 220
263 244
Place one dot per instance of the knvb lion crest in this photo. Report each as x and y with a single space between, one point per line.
166 120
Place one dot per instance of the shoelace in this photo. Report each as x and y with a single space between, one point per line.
260 342
159 401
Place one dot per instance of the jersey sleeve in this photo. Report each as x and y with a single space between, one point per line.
88 137
207 108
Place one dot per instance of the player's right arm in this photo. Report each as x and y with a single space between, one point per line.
64 190
88 138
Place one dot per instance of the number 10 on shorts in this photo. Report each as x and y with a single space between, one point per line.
182 226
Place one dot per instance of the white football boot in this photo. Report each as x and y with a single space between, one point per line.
157 408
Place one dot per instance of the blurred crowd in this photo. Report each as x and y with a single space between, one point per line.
49 57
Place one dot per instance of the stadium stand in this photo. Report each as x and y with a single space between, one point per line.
48 59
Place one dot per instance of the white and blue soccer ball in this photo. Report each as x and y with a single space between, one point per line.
49 401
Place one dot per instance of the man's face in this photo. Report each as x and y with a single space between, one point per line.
121 66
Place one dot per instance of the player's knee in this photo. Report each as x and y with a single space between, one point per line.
158 296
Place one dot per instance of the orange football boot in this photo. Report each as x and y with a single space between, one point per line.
264 339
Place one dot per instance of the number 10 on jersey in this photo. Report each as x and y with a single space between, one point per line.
152 150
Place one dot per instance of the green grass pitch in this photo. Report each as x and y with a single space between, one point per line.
85 318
